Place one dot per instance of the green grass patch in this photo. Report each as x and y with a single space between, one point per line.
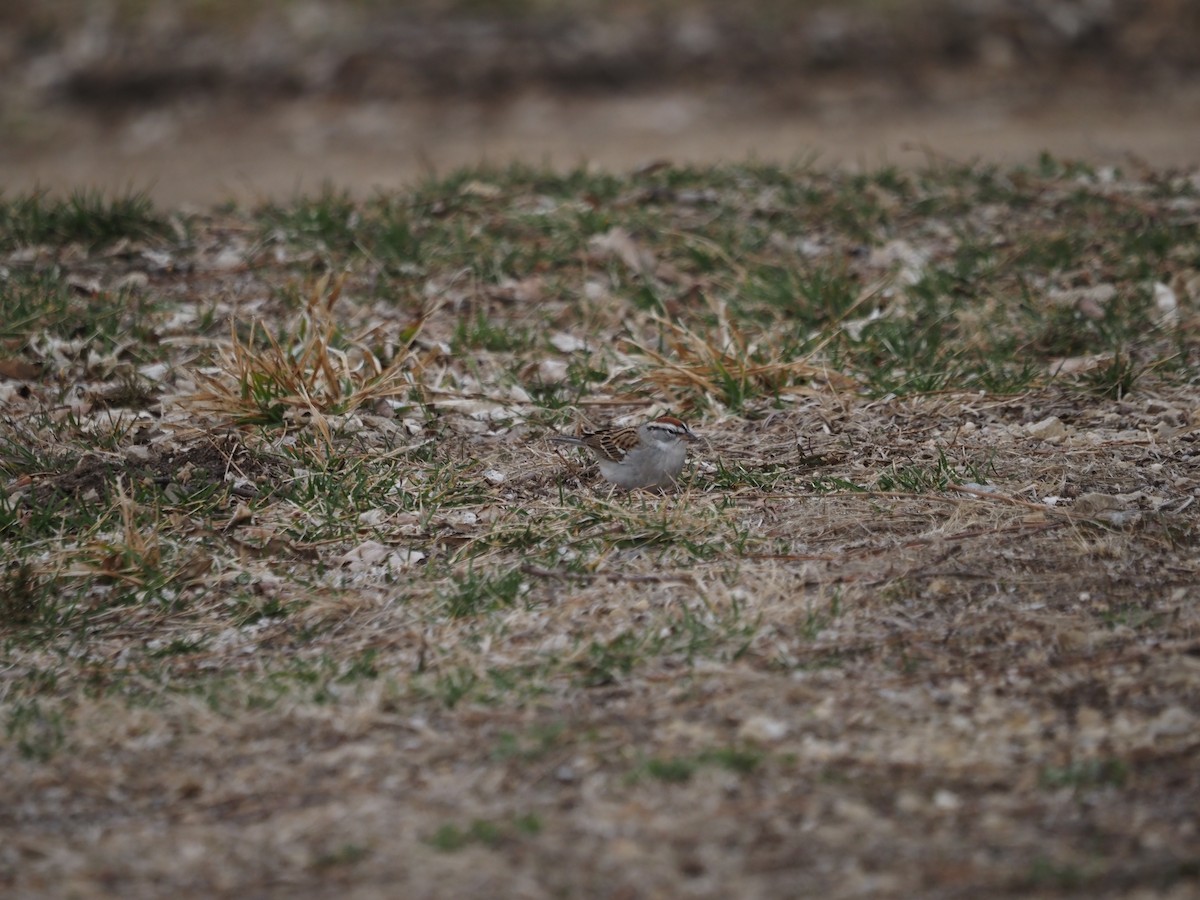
1089 773
681 769
85 217
490 833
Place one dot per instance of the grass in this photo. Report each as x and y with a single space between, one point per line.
85 217
937 475
450 837
680 770
301 527
59 327
1086 774
311 370
474 593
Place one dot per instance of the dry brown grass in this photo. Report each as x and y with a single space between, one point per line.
939 643
256 380
724 368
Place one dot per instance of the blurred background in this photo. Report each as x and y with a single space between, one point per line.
204 101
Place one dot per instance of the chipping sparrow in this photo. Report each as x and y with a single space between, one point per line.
649 456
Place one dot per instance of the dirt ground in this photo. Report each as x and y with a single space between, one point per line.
202 157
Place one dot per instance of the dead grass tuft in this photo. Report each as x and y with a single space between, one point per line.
724 368
310 371
130 556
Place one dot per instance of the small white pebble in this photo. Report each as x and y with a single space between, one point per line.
946 800
762 728
1047 429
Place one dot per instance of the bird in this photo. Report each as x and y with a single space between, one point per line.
649 456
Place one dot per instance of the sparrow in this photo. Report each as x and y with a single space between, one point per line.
646 456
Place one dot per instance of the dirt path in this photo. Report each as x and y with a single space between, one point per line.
204 155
